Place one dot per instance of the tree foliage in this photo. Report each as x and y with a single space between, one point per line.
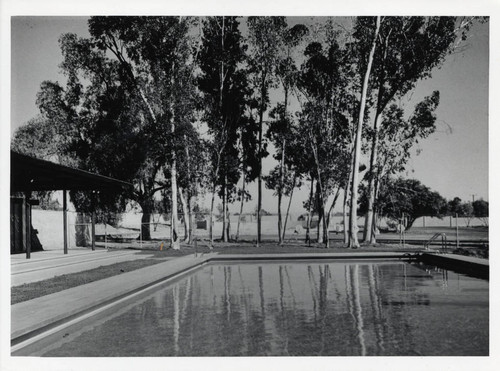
135 88
406 197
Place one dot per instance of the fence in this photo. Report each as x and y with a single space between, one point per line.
131 227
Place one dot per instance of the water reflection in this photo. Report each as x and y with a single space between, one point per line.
303 309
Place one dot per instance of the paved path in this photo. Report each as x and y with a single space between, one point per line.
47 264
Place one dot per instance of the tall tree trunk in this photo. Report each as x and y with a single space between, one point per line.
147 209
327 218
282 174
288 208
190 218
224 210
368 232
346 201
228 222
259 179
309 216
353 230
280 190
189 196
319 207
345 218
82 233
326 237
223 142
193 200
280 240
241 204
211 227
321 198
174 236
373 239
214 185
184 206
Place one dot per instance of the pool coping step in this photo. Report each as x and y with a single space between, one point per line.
465 264
35 316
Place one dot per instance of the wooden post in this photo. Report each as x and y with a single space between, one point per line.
93 230
423 218
65 222
23 227
403 229
92 206
27 227
456 224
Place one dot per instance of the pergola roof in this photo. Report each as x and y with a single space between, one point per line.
32 174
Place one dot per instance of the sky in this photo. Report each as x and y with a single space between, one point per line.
453 161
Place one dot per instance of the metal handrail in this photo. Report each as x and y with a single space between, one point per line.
444 241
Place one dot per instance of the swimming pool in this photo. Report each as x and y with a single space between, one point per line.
328 308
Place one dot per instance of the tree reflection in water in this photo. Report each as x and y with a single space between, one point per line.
335 308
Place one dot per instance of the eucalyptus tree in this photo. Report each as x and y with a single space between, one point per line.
126 87
224 86
191 176
38 138
325 116
90 125
249 161
300 162
279 130
398 135
154 53
365 29
408 49
283 182
265 35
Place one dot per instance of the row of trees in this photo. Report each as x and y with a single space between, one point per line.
400 197
180 106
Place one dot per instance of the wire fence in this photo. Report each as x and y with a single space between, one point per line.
139 229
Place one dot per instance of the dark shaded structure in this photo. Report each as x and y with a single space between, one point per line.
30 174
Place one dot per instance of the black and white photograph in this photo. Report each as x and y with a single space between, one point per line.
238 187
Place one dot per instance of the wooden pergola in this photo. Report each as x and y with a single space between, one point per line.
30 174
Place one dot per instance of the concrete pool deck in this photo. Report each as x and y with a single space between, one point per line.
47 264
35 316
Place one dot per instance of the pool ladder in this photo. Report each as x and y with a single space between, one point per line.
444 241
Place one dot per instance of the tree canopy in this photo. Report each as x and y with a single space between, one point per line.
407 198
181 106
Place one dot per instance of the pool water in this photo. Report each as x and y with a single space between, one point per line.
292 309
